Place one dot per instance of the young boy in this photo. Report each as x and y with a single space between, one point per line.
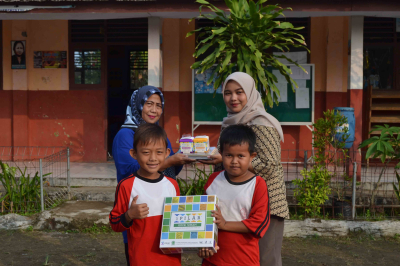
139 199
242 213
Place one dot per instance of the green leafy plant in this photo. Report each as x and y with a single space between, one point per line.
324 176
312 191
330 152
196 185
239 41
386 146
22 192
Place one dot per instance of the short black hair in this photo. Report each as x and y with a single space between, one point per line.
149 133
238 135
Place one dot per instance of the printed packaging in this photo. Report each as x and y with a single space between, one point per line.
186 145
188 225
201 144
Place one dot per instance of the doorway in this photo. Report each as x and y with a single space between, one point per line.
127 71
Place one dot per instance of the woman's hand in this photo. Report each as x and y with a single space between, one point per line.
179 159
214 159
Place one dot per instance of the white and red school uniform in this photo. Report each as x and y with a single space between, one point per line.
239 201
144 234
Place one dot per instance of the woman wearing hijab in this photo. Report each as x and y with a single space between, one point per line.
19 53
145 106
244 106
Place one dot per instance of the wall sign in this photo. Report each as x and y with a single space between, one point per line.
50 59
18 58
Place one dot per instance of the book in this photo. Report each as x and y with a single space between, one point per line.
188 225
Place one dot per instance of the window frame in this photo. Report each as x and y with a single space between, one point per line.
72 47
132 68
103 68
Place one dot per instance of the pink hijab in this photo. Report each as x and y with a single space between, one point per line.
254 112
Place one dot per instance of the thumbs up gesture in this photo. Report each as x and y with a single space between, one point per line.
137 211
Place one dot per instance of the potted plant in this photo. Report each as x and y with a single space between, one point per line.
240 40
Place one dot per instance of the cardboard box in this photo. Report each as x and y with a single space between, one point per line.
188 225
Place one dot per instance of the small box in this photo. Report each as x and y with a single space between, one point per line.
201 144
186 145
188 225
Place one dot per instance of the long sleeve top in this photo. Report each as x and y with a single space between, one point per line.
124 163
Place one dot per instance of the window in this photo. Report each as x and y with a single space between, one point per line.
87 66
138 69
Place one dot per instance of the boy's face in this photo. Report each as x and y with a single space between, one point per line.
150 156
237 159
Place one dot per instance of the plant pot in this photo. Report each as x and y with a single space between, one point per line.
342 209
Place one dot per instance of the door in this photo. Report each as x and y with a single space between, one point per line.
127 71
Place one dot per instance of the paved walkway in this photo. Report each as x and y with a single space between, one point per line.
93 170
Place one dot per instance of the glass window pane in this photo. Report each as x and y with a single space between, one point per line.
139 78
92 76
138 65
87 64
78 77
378 67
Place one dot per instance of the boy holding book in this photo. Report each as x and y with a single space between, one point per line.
139 199
242 213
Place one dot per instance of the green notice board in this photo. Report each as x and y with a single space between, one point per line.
292 109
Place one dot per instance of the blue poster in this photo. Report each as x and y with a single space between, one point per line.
200 82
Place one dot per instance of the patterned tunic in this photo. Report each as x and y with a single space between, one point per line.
267 164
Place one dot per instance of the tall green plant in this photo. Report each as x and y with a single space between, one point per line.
330 152
316 185
386 146
22 191
240 40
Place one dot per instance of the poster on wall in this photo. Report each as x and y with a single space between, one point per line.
18 59
50 59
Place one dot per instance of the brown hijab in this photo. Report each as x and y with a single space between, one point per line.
254 112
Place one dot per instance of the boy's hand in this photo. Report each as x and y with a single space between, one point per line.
219 219
206 252
137 211
213 159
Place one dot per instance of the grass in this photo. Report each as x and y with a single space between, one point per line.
95 229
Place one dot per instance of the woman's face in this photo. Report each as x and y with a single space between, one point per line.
19 49
234 96
152 109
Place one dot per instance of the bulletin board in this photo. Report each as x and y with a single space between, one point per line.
295 108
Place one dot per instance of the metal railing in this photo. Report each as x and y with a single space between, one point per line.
361 186
49 164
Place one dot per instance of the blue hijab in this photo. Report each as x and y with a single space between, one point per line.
135 107
134 114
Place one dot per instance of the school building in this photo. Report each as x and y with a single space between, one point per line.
114 47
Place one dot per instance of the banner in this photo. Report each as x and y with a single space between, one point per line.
50 59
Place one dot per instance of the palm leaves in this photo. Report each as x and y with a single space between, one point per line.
240 42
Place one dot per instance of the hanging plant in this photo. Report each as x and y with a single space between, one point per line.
239 41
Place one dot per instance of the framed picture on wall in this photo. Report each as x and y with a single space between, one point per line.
18 55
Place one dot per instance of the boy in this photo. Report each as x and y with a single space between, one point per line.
139 199
242 213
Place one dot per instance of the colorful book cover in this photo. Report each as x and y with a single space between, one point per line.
188 225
